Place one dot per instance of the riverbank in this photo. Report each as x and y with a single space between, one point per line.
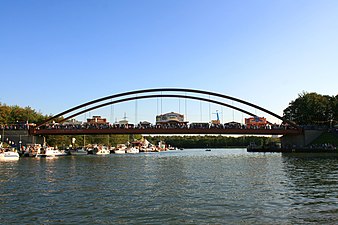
326 148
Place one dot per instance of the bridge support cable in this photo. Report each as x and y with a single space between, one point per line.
136 111
185 106
201 111
168 90
156 96
179 105
209 110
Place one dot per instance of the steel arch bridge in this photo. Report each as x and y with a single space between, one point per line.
148 93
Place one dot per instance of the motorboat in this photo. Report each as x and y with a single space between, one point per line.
132 150
120 149
80 151
148 149
103 151
50 152
9 155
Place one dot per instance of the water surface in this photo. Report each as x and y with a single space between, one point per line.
177 187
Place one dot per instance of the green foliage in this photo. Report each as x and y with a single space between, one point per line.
313 109
176 141
83 140
210 141
13 114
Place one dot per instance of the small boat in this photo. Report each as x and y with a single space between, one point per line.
80 151
144 149
120 149
103 151
50 152
9 155
132 150
156 150
208 150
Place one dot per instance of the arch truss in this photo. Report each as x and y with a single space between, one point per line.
149 93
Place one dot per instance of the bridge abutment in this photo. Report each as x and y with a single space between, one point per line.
300 140
15 136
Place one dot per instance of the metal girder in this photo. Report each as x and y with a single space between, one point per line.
186 90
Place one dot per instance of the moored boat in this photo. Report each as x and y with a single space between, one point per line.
80 151
132 150
9 155
50 152
103 151
120 149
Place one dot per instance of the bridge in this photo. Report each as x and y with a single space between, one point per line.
286 128
229 131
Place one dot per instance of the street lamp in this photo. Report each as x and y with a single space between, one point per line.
3 133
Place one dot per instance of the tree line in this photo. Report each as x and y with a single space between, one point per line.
211 141
10 115
313 109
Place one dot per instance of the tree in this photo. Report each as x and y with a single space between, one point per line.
4 114
312 109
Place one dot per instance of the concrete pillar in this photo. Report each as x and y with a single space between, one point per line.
300 140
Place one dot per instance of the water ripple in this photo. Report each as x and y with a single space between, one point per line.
181 187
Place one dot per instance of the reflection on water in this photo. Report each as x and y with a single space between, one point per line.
178 187
313 186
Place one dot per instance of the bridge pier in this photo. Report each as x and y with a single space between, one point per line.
300 140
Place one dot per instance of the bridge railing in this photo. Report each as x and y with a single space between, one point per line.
59 129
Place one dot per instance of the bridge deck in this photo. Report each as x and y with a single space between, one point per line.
165 131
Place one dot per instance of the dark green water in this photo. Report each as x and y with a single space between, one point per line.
176 187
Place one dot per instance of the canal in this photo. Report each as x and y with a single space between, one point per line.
221 186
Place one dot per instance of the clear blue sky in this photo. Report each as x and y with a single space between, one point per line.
60 53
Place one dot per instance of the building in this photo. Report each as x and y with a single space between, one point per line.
171 118
97 120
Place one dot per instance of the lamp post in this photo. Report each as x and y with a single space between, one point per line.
3 133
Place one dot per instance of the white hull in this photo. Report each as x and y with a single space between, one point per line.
132 150
51 153
120 151
103 152
9 156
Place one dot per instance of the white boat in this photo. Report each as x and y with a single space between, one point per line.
132 150
9 155
50 152
120 149
103 151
